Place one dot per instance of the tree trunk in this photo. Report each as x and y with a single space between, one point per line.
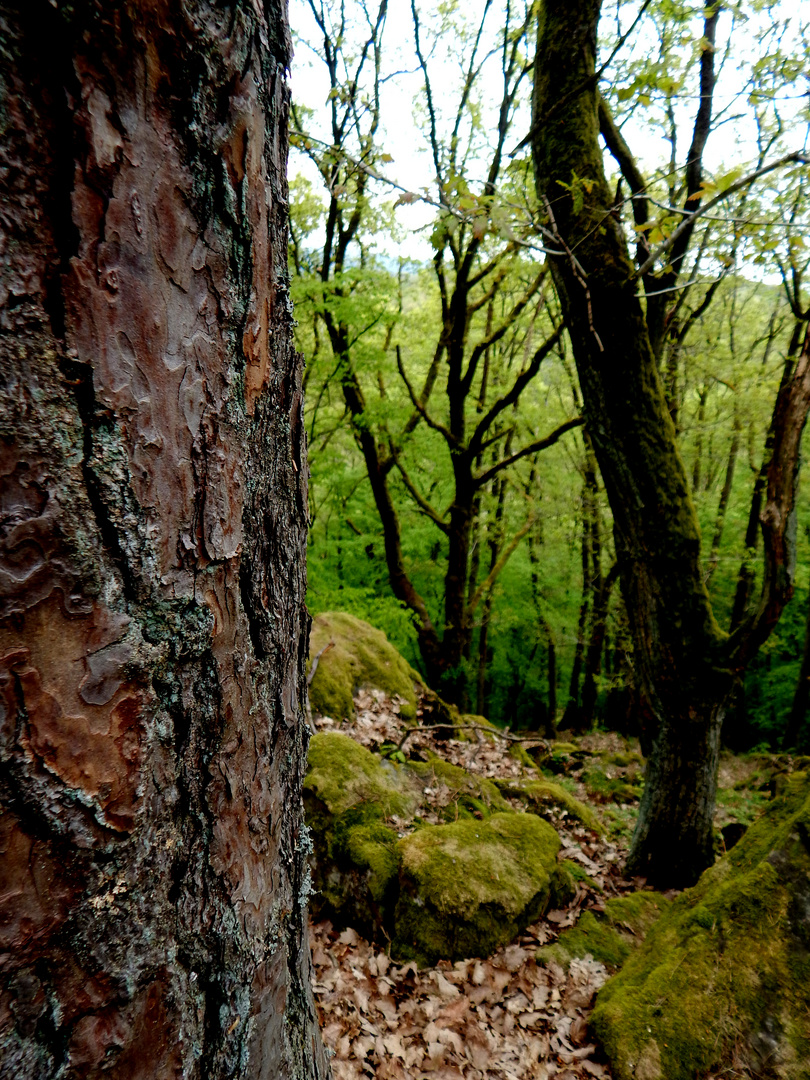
657 541
152 549
674 836
801 696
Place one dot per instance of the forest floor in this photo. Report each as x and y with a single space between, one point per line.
508 1017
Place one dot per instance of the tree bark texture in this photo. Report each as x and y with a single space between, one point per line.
152 548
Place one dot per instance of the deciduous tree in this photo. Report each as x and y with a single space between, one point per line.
687 662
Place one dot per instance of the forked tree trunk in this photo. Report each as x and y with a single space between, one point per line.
152 571
687 665
656 533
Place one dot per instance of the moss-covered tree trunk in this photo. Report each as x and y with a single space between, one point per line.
656 532
152 484
687 665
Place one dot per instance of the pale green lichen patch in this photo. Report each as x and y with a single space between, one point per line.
360 657
469 887
722 981
609 936
538 794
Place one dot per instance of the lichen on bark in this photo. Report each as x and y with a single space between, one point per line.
152 478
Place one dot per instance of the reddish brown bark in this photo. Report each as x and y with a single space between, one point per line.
152 532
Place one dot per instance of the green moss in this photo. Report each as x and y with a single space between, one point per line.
627 760
342 774
458 780
372 847
722 981
610 935
564 880
519 753
469 887
540 793
360 657
609 788
466 806
348 792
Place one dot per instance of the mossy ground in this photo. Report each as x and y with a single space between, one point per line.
360 657
469 887
610 935
611 784
722 981
543 792
470 795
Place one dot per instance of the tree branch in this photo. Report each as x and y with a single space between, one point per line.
532 448
448 436
796 158
418 498
520 383
494 573
778 517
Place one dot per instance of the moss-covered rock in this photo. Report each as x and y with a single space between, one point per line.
722 982
348 794
610 935
565 880
538 794
469 887
342 774
604 785
462 786
360 657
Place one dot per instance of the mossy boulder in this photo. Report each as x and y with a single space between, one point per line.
609 935
469 887
360 657
342 774
722 981
348 795
470 795
538 794
607 787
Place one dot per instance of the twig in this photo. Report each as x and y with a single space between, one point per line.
579 273
317 660
797 158
467 727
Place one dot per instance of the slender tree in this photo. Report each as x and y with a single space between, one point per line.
152 547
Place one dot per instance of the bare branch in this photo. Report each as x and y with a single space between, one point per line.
496 334
533 448
420 408
506 554
417 497
512 395
796 158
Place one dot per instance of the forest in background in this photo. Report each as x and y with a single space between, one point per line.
544 633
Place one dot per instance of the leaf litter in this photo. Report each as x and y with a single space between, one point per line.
502 1018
